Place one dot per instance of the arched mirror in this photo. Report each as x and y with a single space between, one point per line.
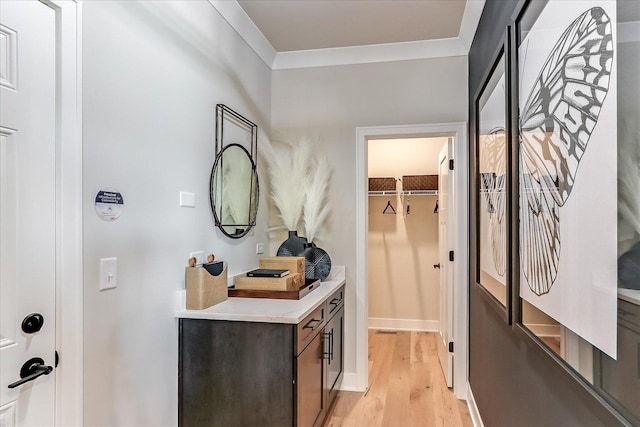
234 191
233 187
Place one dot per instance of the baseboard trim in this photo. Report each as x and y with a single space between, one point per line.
404 324
349 382
473 408
543 330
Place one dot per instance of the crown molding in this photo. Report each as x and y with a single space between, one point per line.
244 26
470 18
231 11
369 54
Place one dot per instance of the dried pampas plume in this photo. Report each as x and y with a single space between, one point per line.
288 168
316 209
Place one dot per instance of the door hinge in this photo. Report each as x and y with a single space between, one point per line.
451 256
450 346
451 164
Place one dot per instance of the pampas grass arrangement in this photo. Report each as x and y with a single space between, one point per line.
315 207
299 181
289 175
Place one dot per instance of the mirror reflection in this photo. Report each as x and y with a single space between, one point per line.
234 191
492 154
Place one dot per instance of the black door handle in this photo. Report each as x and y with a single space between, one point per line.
436 265
32 369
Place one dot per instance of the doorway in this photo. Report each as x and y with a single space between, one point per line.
456 131
403 249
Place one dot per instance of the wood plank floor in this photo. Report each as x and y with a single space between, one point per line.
406 387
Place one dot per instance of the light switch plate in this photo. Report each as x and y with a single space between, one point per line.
198 255
187 199
108 273
259 248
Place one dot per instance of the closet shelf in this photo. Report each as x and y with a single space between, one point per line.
404 193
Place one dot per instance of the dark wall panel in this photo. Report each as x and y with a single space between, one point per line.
514 381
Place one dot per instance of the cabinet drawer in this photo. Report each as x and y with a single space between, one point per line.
335 301
309 327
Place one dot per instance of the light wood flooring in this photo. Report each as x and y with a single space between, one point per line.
406 387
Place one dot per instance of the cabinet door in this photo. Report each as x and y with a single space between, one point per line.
335 356
235 374
310 399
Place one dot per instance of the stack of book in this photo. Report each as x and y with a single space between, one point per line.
274 274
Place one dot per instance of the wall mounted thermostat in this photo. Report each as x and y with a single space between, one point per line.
109 203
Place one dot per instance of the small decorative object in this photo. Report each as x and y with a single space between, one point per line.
291 282
293 246
203 288
293 264
317 262
382 184
419 182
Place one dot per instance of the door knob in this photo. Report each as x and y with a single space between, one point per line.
32 369
32 323
436 265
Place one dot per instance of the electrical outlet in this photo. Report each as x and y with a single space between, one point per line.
259 248
198 255
108 273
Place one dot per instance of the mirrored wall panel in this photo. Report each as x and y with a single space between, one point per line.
492 184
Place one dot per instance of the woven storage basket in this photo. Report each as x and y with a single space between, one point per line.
382 184
419 182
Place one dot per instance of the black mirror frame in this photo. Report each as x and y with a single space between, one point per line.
503 53
224 114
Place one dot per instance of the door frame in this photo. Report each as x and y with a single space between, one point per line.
69 385
461 238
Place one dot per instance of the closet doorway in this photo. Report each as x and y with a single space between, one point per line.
400 257
408 240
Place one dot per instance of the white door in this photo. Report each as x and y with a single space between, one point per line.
445 241
27 211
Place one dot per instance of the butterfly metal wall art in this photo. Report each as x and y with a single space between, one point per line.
555 125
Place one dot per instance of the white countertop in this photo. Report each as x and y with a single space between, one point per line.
629 295
266 310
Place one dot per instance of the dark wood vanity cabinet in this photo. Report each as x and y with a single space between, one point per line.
234 373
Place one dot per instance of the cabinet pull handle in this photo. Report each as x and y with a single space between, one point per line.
328 336
309 324
331 345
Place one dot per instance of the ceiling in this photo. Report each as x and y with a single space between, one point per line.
294 25
315 33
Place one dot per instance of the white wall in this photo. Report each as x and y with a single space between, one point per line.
153 73
331 102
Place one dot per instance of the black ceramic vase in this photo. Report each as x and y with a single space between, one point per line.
293 246
317 263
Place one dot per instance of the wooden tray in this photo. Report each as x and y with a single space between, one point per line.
309 285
